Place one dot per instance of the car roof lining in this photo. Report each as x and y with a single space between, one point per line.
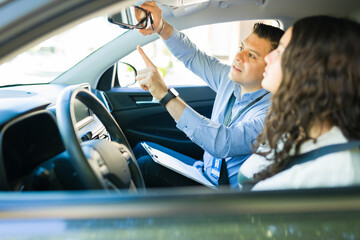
283 10
234 13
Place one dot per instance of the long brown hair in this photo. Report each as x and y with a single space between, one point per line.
321 83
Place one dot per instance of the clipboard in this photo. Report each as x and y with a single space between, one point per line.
177 166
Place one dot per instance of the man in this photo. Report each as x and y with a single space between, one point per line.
239 109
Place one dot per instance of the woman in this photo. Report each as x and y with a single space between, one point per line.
315 78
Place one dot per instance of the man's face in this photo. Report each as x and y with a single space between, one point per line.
249 64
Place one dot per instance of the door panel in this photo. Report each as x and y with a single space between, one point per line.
142 119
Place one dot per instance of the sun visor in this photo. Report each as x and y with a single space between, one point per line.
179 11
227 3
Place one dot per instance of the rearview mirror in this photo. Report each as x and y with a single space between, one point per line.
133 17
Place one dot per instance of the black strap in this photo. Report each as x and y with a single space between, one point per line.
228 110
227 118
248 184
224 176
316 153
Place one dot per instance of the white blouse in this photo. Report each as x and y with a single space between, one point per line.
331 170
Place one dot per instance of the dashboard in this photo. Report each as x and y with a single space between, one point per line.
30 141
26 144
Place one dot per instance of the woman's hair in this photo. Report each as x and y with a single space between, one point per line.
321 84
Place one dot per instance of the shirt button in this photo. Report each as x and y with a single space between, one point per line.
185 128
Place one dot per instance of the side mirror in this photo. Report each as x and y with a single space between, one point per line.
126 74
133 17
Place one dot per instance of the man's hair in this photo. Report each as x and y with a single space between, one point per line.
270 33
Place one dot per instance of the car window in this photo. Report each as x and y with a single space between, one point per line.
219 40
47 60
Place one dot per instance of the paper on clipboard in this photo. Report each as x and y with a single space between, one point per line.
177 166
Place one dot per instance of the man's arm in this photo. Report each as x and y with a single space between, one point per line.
151 80
217 139
206 67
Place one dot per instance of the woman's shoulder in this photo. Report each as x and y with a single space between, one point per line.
332 170
254 164
333 136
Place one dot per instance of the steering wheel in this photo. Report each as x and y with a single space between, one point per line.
99 164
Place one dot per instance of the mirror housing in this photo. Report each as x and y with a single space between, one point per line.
126 74
133 17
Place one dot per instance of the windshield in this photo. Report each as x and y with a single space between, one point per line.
44 62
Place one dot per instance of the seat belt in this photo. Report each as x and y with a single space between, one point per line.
316 153
248 184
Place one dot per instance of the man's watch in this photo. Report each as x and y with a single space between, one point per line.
172 93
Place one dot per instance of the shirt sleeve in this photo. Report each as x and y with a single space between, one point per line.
217 139
206 67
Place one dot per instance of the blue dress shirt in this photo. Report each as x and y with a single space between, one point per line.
233 142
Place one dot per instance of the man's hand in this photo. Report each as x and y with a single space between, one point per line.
155 12
159 23
150 78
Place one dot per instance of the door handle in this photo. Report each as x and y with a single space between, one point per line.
153 101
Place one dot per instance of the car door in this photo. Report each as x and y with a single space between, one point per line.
143 119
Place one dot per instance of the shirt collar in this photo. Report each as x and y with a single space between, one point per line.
247 96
